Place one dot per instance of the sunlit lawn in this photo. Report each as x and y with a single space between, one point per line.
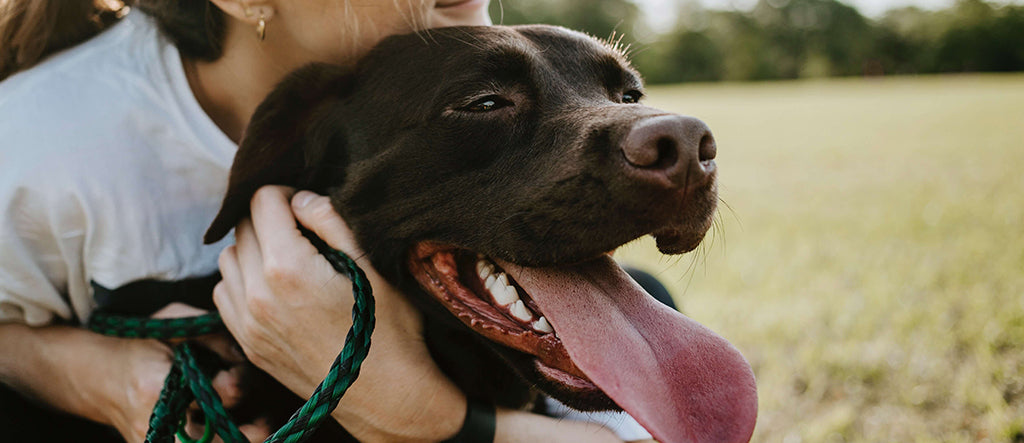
871 266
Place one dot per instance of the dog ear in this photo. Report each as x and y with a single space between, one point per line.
288 141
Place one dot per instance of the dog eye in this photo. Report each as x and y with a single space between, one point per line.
632 96
486 104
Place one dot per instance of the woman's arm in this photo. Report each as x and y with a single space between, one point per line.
290 312
113 381
104 379
521 426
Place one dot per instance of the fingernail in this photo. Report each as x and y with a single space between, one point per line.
302 198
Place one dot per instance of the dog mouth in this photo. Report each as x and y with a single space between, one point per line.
594 333
488 299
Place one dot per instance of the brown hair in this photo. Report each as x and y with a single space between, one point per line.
30 30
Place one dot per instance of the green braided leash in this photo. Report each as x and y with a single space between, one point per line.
187 383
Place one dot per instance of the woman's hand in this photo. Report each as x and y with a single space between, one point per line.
143 366
109 380
290 311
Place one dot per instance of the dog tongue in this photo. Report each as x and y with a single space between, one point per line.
678 379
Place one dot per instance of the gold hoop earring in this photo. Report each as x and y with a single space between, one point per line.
261 28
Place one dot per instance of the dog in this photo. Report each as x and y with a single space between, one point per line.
487 172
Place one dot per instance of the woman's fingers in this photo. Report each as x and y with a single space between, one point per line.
253 432
228 295
195 425
317 214
248 251
228 384
281 244
224 346
221 344
277 263
279 296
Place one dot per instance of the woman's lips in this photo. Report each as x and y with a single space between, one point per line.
460 4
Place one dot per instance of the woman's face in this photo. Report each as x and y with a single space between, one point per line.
340 31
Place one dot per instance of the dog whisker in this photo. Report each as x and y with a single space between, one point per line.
731 211
719 229
637 48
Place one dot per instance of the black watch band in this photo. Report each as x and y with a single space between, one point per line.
478 427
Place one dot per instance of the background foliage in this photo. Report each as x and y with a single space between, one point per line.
786 39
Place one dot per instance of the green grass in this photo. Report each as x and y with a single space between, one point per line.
871 266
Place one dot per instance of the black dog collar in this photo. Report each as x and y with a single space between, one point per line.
478 427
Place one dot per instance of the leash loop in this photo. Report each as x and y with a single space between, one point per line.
186 382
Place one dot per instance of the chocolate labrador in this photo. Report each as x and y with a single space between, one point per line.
487 172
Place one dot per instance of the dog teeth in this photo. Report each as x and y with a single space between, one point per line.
520 311
542 325
484 269
497 283
499 280
504 293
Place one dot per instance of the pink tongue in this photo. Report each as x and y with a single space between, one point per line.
678 379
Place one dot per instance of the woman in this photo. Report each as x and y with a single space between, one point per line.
115 156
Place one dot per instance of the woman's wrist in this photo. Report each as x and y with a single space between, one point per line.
404 396
60 366
424 413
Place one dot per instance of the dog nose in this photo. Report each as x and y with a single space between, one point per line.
676 147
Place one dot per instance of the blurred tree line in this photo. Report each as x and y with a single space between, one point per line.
785 39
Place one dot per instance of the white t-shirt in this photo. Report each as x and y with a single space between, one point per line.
110 172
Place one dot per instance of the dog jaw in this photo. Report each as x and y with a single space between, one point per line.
702 386
488 300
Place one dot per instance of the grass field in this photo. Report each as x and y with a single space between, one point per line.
871 266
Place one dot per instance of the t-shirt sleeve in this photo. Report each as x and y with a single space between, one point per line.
40 246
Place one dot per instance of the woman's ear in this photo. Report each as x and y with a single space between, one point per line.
247 11
295 138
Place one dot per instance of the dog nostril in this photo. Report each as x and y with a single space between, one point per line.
657 152
707 149
668 152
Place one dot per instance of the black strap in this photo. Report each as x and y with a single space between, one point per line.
478 427
144 297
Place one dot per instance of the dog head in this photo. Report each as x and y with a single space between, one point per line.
487 171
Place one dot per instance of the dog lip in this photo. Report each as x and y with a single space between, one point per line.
674 241
437 268
566 379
